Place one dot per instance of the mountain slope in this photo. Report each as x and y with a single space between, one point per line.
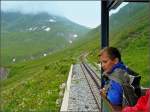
41 33
16 21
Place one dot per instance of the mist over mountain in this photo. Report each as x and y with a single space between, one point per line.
42 32
16 21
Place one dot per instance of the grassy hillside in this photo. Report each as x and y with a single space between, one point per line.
25 45
37 85
133 40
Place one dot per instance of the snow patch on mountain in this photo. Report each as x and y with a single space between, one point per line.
34 28
14 59
47 29
43 27
30 29
75 35
52 20
44 54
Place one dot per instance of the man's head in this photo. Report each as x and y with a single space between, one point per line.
109 56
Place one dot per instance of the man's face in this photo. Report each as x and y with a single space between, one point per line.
106 63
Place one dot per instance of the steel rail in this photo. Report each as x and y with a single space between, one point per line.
89 81
93 75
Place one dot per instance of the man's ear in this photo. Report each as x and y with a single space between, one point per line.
116 60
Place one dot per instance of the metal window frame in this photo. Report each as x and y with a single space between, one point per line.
106 6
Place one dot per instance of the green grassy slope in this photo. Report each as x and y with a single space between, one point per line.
23 45
35 85
133 41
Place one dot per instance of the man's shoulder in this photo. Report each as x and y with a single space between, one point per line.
120 76
120 73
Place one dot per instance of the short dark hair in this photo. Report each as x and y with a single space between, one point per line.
112 53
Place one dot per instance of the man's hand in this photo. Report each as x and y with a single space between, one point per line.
103 92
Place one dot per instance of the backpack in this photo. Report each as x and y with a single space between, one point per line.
131 91
135 79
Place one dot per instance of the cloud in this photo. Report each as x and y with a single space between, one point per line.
86 13
31 7
83 12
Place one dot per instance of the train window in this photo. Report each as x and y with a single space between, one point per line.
129 27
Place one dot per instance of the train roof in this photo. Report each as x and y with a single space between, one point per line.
112 4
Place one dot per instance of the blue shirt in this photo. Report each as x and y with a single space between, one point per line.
115 91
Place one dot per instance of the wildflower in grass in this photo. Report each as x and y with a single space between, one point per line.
61 93
24 99
40 101
58 101
22 104
49 92
62 86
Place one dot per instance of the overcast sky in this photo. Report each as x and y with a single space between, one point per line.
86 13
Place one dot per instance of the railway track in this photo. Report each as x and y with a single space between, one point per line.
94 83
80 96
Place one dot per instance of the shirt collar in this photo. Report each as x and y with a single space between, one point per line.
118 65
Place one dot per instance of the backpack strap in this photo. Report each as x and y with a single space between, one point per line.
135 82
130 98
122 77
131 72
